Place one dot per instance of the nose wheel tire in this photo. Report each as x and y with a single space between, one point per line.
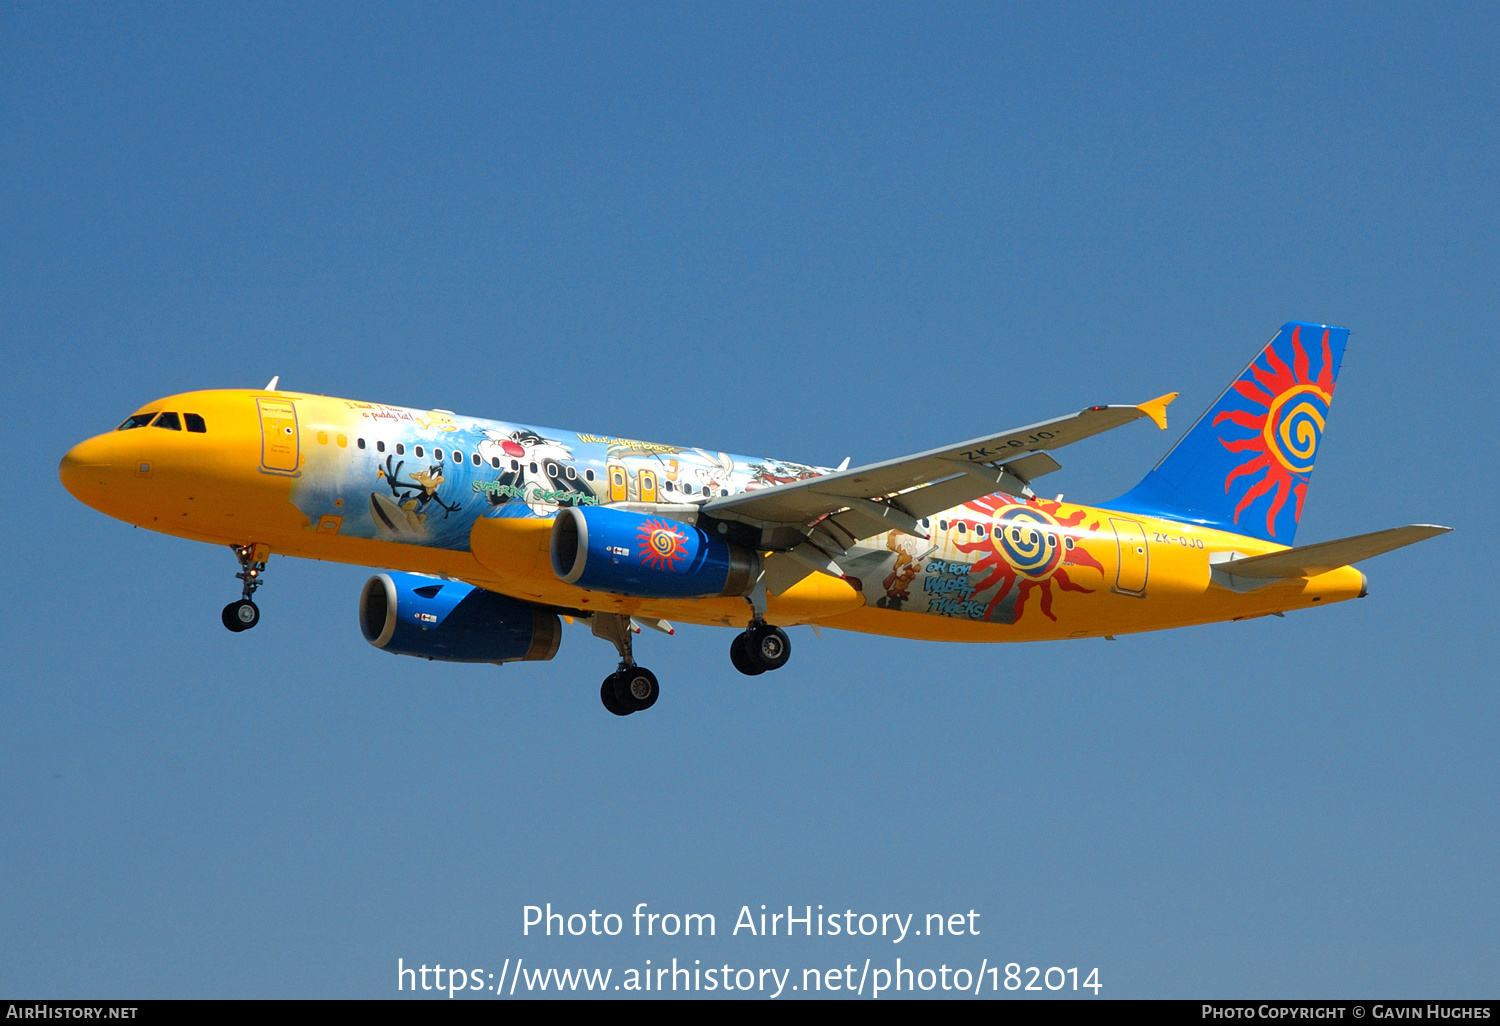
739 655
241 615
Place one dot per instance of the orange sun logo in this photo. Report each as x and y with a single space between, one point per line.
663 544
1027 549
1286 429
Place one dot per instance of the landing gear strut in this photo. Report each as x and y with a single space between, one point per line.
244 614
631 688
760 648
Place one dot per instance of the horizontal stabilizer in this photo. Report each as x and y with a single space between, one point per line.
1311 560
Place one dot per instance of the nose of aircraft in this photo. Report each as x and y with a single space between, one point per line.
85 469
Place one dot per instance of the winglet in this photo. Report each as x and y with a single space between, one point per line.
271 385
1156 408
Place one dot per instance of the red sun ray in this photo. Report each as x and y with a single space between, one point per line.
1283 488
1277 364
1255 395
1243 418
1247 468
994 570
1284 437
1258 489
1299 356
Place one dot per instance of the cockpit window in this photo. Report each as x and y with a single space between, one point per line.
195 423
170 421
139 420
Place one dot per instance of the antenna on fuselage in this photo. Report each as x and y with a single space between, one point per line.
271 385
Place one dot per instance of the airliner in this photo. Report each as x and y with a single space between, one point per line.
491 534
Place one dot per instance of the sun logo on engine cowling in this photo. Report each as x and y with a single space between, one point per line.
1286 430
1024 547
663 544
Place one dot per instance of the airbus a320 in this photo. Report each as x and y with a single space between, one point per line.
491 534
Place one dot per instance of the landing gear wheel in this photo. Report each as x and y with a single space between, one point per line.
636 688
739 655
241 615
768 646
607 696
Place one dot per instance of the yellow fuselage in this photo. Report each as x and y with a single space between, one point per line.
248 480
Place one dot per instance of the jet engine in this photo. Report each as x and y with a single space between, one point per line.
407 614
615 550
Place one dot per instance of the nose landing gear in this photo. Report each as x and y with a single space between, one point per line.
244 614
760 648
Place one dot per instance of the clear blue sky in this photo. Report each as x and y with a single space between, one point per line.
805 232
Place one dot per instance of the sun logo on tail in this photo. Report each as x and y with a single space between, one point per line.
1293 407
663 545
1024 548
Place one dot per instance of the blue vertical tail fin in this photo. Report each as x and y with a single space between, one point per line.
1244 466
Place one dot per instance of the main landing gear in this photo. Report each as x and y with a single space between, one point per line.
631 688
760 648
244 614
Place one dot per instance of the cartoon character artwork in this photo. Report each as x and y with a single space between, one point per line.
437 420
769 473
403 513
1289 409
1022 547
537 475
897 584
700 474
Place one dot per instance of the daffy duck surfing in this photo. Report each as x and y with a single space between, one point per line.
405 513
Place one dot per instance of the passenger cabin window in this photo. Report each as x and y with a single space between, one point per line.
495 462
195 423
437 454
533 467
514 465
419 452
170 421
474 458
588 475
139 420
360 442
380 447
400 448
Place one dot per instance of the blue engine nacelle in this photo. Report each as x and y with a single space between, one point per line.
458 623
627 553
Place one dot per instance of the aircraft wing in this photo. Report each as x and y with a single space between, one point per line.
869 500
